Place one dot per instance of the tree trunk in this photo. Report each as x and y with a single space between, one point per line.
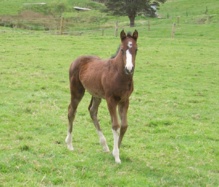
132 20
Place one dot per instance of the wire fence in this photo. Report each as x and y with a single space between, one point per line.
169 27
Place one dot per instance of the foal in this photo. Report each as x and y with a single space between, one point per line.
111 80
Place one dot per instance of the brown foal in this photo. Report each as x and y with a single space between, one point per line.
111 80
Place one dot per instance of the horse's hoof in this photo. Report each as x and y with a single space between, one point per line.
70 147
118 161
106 149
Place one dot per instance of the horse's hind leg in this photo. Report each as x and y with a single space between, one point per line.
93 109
77 92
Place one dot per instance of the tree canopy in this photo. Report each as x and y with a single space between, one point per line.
132 7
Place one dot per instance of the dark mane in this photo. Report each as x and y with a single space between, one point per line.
117 51
129 34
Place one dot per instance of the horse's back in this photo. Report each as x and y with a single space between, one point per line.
80 62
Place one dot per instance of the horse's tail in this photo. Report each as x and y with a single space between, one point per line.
74 79
75 66
74 69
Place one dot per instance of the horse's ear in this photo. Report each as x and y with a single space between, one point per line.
135 35
122 35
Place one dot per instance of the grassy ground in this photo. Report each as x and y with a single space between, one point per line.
172 138
12 7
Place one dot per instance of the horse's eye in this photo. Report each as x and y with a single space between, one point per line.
122 50
136 50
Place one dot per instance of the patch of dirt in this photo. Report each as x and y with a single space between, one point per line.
30 20
27 14
203 19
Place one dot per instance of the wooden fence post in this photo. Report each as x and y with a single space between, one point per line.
149 25
178 20
116 29
61 25
173 30
206 10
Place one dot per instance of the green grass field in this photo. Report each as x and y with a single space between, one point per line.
172 139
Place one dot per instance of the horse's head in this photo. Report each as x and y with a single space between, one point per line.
129 50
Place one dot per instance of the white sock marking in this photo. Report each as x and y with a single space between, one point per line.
129 64
68 141
103 141
115 147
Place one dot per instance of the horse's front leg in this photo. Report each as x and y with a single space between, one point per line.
123 109
112 104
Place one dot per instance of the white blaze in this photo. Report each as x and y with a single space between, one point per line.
129 64
130 44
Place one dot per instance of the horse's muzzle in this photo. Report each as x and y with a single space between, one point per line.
129 72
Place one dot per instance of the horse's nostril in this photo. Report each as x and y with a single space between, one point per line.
128 72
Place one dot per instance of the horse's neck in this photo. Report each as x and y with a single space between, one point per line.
118 64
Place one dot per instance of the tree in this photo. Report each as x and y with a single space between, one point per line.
132 7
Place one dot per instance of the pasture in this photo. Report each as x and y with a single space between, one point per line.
172 139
